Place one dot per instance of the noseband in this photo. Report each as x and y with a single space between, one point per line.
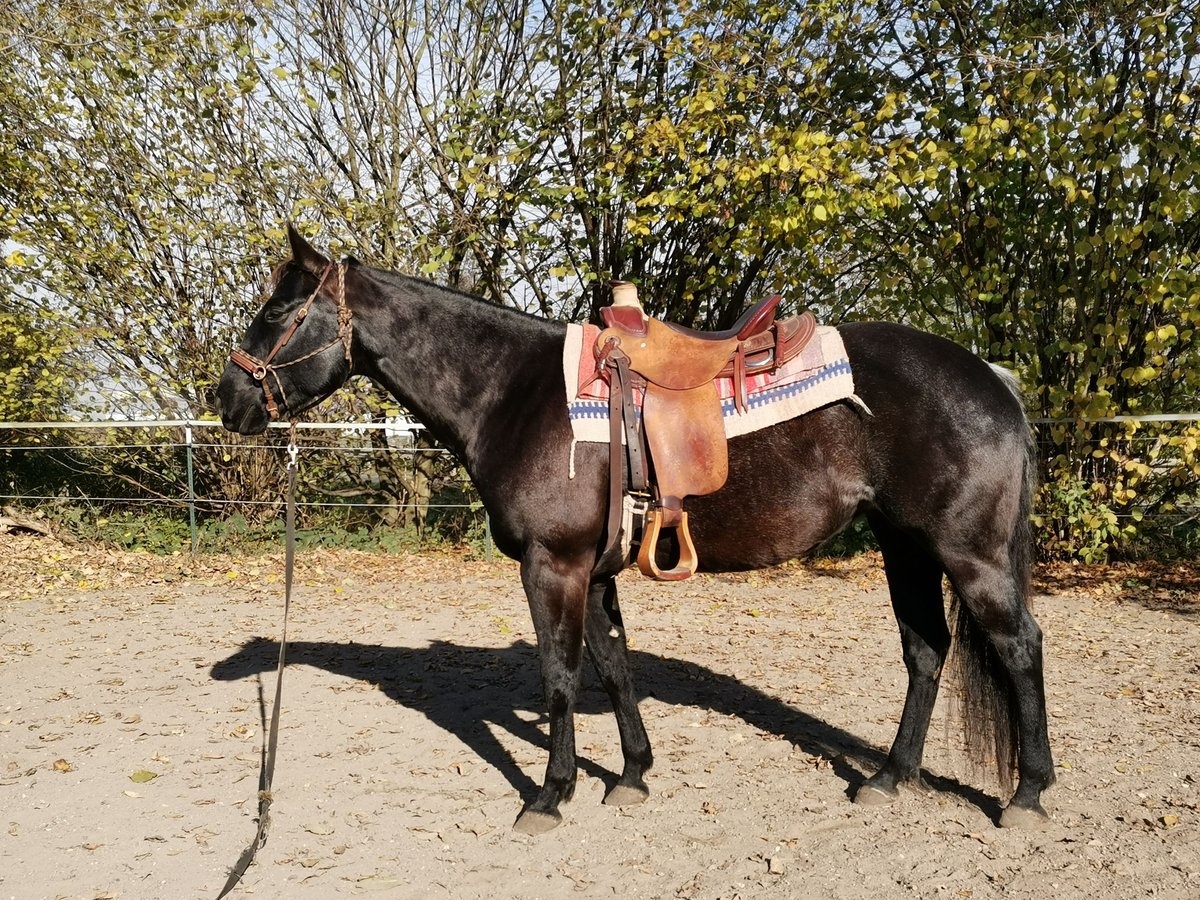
259 369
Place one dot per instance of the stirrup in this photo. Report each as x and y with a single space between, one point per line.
685 566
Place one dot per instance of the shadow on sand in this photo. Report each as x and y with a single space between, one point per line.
462 688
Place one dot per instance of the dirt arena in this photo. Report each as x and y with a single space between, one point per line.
412 731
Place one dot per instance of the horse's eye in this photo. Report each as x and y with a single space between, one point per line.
276 314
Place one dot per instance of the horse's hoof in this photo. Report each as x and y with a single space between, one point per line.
533 821
626 795
1028 818
869 795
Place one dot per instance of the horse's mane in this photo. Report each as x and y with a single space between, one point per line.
401 281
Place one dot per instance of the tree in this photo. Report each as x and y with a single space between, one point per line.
1019 176
698 150
151 207
1049 175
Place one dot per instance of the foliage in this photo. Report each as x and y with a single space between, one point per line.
1049 218
36 377
152 205
1155 476
152 529
857 538
1020 177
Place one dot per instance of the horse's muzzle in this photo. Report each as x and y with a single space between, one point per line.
240 403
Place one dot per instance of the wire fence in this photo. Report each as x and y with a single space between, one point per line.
352 469
101 464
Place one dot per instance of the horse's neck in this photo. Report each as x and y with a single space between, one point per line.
456 362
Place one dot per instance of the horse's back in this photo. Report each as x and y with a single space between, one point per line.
939 428
901 371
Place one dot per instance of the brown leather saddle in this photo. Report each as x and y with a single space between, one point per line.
681 413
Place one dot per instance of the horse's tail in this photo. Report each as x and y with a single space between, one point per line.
989 703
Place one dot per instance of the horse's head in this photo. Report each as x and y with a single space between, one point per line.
296 351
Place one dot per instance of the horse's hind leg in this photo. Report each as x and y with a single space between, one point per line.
915 583
1000 666
604 633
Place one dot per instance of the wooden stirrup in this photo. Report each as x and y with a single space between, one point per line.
685 566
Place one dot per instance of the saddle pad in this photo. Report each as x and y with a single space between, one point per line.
820 375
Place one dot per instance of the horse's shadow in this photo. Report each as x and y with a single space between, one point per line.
463 688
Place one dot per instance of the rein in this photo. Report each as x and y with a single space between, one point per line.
266 772
259 369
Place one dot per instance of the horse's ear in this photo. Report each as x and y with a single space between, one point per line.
304 254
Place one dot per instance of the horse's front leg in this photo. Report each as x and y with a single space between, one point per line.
557 592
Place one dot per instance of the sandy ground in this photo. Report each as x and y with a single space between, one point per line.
412 731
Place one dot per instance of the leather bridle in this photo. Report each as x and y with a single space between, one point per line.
259 369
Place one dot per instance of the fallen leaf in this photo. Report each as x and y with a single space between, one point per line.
141 776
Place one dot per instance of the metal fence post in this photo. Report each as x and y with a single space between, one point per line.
191 481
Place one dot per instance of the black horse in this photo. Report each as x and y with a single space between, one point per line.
941 468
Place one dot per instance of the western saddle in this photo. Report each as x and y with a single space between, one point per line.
682 424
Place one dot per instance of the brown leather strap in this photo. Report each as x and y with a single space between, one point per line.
622 413
635 446
616 471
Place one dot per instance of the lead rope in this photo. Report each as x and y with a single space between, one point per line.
266 773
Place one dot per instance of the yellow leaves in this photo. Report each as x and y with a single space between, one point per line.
887 109
1067 184
1139 374
1163 334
